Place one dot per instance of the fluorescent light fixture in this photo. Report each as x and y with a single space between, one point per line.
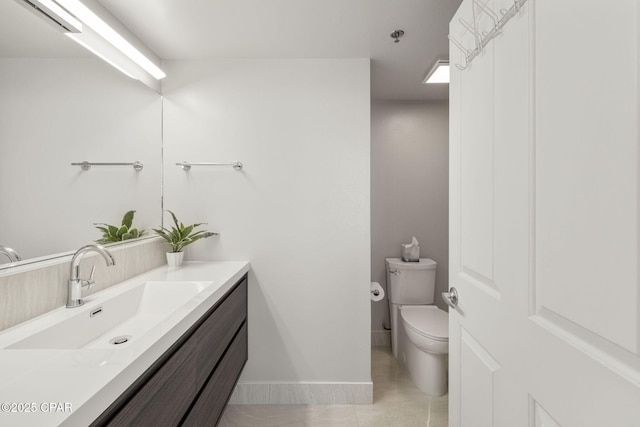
99 55
84 14
439 73
54 14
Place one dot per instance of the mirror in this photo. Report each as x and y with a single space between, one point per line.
59 105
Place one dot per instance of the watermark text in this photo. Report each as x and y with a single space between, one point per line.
26 407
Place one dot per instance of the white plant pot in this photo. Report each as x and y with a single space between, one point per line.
174 259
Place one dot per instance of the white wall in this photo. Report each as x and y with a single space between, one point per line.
299 210
409 189
57 111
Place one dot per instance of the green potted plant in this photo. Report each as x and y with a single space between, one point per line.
180 236
113 233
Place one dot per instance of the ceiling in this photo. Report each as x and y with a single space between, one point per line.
199 29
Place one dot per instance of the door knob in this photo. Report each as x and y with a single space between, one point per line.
451 297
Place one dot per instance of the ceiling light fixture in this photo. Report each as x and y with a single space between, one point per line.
93 21
53 14
99 55
439 73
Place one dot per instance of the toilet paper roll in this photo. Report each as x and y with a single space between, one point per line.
377 293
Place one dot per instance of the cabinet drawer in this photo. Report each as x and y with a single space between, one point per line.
214 336
213 399
166 397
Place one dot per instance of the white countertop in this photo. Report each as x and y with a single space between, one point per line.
73 387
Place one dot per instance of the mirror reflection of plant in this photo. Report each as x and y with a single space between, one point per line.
180 235
113 233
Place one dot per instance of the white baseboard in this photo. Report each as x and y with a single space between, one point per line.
302 393
381 338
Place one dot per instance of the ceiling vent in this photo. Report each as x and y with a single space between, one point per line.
55 15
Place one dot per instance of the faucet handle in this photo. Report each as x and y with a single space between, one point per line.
87 283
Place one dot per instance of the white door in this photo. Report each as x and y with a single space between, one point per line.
544 213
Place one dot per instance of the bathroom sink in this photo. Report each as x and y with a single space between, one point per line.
67 355
114 319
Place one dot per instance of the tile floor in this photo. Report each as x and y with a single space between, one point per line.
396 403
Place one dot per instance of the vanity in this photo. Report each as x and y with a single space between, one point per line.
163 348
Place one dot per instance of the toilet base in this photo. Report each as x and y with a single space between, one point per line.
428 371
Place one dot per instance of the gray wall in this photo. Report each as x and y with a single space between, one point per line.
409 188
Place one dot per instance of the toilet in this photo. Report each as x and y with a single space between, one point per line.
419 329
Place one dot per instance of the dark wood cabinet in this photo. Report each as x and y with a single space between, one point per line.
214 396
190 384
222 326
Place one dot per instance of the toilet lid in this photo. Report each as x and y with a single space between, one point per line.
427 320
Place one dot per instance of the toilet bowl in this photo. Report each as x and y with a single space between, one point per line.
419 329
426 347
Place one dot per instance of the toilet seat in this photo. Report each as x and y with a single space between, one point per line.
427 320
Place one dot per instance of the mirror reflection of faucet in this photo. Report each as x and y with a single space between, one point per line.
10 253
74 290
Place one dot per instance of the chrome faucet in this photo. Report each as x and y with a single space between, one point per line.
74 291
10 253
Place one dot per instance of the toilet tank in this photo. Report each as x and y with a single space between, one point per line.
411 282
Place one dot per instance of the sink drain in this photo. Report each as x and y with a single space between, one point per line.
120 340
